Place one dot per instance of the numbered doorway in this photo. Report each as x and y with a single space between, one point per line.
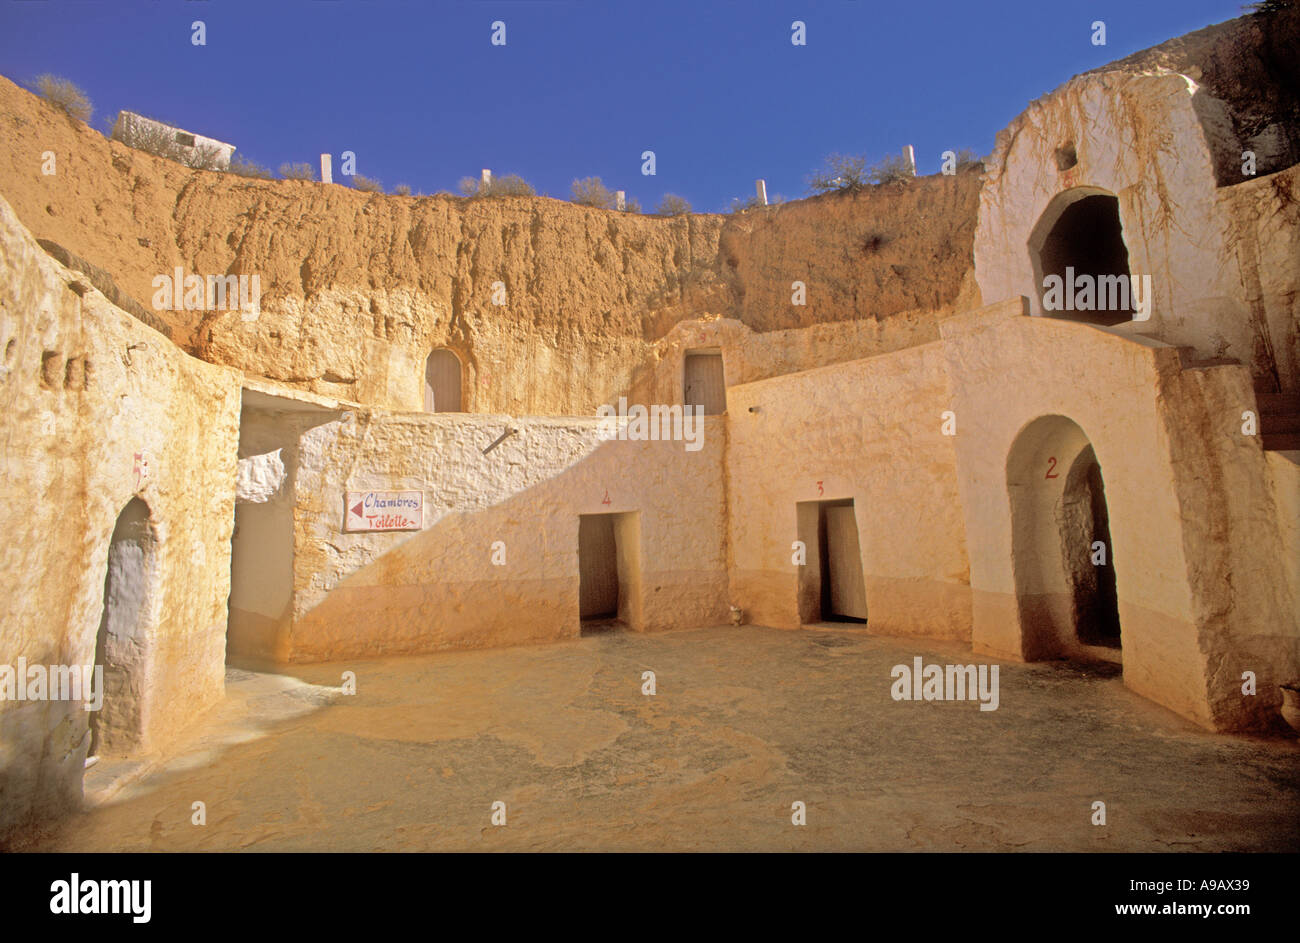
831 585
609 571
1062 553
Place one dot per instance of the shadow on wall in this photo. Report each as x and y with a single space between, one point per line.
403 602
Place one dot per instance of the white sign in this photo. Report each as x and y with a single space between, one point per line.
383 510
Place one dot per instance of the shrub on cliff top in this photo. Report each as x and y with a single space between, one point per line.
853 172
505 185
366 184
673 205
297 171
64 95
241 166
590 191
158 140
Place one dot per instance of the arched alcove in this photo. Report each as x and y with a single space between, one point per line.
1080 234
121 643
1065 582
442 382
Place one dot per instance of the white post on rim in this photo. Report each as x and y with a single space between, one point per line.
485 181
326 170
909 155
620 200
761 187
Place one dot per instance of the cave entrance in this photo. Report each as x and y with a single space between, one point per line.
1080 237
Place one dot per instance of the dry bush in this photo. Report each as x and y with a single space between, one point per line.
402 189
840 172
242 167
505 185
297 171
64 95
510 185
852 172
892 169
152 139
590 191
631 205
366 184
673 205
968 158
741 206
203 157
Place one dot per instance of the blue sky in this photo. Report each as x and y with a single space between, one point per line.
582 87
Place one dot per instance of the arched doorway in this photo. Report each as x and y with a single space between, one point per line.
1062 554
442 382
120 645
1080 234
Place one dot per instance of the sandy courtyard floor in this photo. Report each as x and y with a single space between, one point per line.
745 722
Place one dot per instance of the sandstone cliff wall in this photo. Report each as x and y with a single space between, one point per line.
358 288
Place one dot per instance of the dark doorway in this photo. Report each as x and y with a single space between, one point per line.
831 587
1089 562
119 646
597 568
1087 237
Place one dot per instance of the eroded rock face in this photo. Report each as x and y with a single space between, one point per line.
357 289
101 415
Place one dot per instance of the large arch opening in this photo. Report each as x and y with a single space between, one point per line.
1062 554
120 645
1080 236
442 382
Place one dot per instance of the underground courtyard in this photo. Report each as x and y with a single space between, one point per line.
743 723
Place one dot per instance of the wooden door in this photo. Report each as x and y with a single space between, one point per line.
705 383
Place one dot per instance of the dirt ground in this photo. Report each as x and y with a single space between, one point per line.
744 722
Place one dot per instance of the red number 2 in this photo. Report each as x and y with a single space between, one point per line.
606 501
1051 469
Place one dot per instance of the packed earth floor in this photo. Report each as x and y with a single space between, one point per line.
744 722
